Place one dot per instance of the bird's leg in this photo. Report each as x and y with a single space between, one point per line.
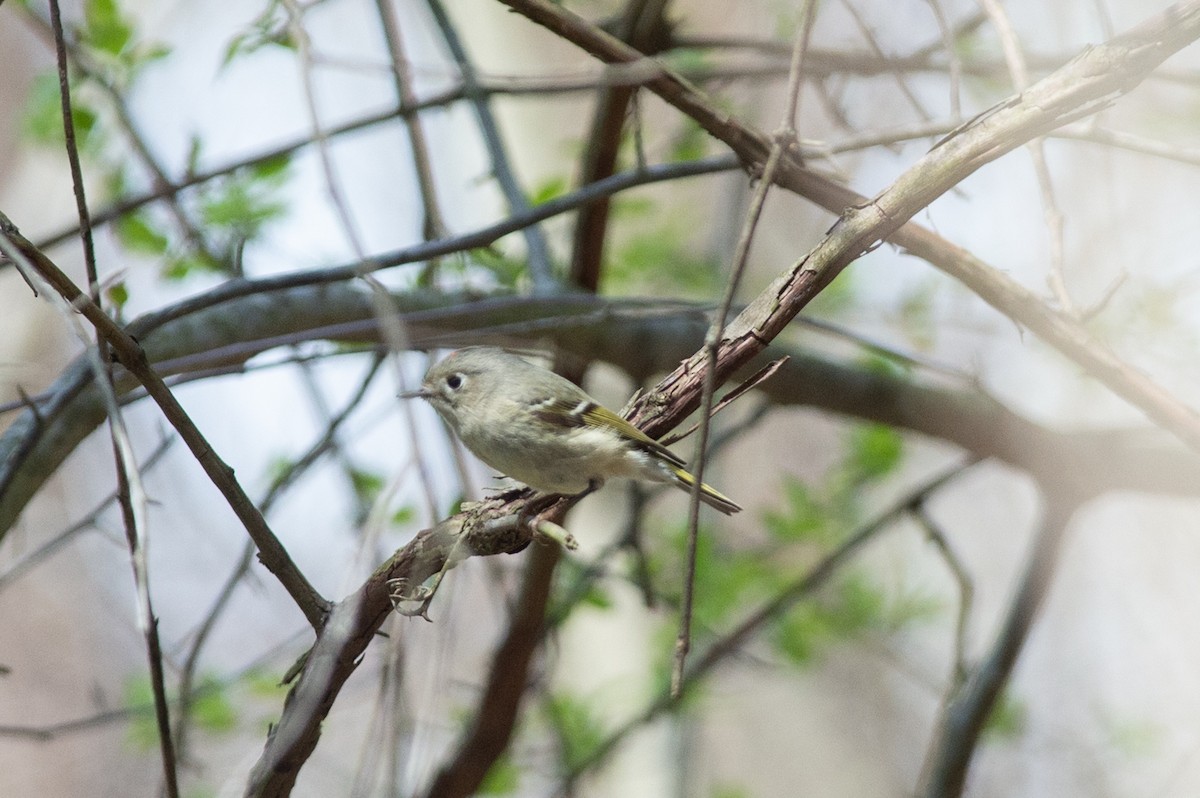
401 592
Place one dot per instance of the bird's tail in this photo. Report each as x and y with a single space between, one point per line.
708 494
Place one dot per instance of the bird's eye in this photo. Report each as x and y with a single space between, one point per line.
454 382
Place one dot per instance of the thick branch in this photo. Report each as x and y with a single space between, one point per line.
1085 85
633 335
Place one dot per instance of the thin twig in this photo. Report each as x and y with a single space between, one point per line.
297 468
965 714
131 498
86 522
541 273
1050 210
435 226
783 139
734 640
133 357
131 494
966 590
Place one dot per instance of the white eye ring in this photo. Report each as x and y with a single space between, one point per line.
455 381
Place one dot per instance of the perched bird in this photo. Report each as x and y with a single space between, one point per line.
541 429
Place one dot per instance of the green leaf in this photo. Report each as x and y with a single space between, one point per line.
1007 719
212 709
548 190
367 485
859 605
117 295
799 633
42 122
265 684
178 267
803 518
270 28
507 271
579 731
691 143
855 606
136 234
875 450
274 167
240 206
502 778
143 728
195 149
105 29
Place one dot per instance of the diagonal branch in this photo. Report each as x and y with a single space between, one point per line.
968 710
1089 82
132 356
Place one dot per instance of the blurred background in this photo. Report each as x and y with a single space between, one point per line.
990 478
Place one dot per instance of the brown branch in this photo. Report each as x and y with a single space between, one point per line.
784 599
643 26
130 354
494 526
226 335
496 714
967 712
1086 84
122 456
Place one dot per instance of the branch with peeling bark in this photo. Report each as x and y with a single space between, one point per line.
1085 85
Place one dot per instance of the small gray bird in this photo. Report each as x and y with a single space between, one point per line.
541 429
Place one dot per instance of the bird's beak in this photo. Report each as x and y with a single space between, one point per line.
420 393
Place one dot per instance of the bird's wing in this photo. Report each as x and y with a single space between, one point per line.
588 414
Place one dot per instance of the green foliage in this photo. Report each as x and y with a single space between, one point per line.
502 778
875 451
269 29
279 468
691 143
822 513
113 44
1135 739
727 580
137 234
42 117
367 485
117 295
506 270
143 729
105 29
804 516
810 522
854 606
548 189
232 210
729 791
837 297
659 261
578 731
212 711
577 587
1007 719
241 203
691 61
264 683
